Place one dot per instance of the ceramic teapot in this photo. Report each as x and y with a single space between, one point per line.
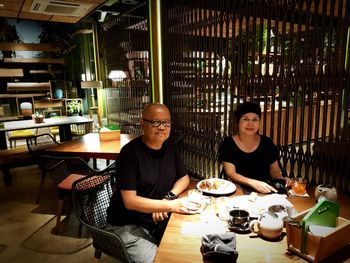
270 226
327 191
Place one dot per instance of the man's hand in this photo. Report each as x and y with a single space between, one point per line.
159 216
186 206
181 205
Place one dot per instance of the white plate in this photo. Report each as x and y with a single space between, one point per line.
225 187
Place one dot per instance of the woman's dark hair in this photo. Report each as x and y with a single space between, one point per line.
246 107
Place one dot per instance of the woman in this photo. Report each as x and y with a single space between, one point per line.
250 159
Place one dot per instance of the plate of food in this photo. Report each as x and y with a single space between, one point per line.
216 186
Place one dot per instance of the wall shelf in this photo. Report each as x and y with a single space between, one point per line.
11 46
31 86
44 71
38 88
35 60
11 72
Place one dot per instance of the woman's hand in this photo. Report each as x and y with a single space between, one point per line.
261 187
288 182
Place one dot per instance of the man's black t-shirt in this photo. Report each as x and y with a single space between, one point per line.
255 165
152 173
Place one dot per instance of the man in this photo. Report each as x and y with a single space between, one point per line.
150 175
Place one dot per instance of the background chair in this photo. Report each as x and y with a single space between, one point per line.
78 130
13 136
36 146
91 197
55 131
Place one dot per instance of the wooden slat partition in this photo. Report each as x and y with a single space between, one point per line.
10 46
288 56
25 86
11 72
35 60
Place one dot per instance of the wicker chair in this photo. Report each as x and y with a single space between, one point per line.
36 146
91 197
64 171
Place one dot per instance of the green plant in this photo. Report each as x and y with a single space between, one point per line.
75 107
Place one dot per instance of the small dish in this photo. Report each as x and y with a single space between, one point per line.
240 228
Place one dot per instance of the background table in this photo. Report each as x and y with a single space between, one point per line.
63 122
90 146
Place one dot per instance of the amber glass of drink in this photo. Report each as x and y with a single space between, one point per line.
299 185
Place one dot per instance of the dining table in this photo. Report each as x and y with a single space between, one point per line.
91 146
63 122
181 241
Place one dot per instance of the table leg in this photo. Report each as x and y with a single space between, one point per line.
65 133
3 142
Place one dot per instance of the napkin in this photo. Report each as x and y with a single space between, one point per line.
202 228
219 247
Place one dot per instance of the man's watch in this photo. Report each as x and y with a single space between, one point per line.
170 196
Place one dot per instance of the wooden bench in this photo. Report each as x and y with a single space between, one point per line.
13 158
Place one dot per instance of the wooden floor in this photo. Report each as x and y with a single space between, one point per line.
20 217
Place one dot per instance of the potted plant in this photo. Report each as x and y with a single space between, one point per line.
74 108
38 117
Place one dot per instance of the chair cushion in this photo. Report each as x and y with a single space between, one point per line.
19 134
67 183
91 182
54 130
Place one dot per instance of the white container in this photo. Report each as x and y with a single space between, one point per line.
26 108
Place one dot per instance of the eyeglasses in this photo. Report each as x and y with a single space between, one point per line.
157 123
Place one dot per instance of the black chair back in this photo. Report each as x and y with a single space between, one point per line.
91 197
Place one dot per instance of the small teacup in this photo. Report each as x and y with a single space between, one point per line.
238 217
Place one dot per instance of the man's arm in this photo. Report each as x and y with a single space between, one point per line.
181 185
147 205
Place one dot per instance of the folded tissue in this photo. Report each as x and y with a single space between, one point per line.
219 247
109 132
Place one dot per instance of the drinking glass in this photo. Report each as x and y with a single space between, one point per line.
195 195
299 185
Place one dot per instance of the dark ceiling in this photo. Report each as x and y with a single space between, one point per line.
99 9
